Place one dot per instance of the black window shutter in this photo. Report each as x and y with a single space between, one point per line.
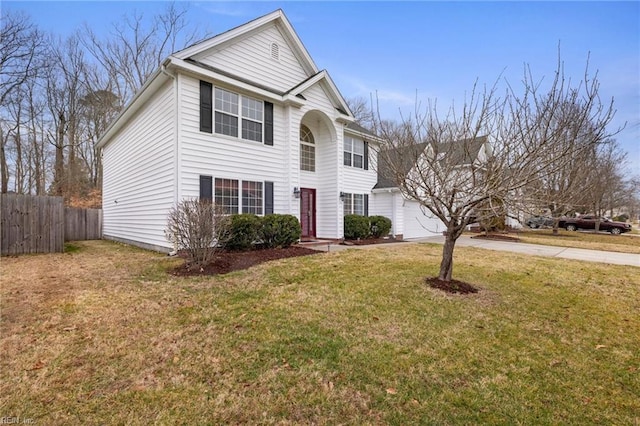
206 104
366 156
268 123
366 203
268 198
206 188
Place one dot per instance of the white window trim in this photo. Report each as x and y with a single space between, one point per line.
352 152
351 202
310 144
239 115
240 197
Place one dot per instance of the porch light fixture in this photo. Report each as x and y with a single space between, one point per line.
296 192
341 196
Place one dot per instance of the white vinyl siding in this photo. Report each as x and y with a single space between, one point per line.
328 141
225 157
382 203
139 174
250 57
160 153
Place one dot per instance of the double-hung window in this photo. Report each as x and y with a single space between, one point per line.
356 204
235 115
226 112
252 118
226 195
235 196
251 197
355 153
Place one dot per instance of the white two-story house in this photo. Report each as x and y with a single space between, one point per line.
246 119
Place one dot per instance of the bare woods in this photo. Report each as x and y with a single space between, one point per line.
57 96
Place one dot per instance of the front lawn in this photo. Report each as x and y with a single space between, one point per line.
102 335
625 243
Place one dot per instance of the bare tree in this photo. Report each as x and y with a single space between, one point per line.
444 164
362 112
99 108
605 187
571 160
135 48
21 48
21 45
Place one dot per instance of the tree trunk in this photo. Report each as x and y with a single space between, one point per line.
4 169
19 171
71 175
446 265
58 178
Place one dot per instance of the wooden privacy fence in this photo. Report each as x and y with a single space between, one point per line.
41 224
82 224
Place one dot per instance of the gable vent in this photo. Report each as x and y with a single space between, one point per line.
275 51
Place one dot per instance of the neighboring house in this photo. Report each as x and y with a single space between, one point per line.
409 218
248 120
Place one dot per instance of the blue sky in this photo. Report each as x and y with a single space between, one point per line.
404 50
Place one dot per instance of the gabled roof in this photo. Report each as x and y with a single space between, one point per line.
278 17
462 152
361 131
184 60
455 153
403 159
334 94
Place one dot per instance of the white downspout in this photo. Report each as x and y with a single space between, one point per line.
176 150
394 215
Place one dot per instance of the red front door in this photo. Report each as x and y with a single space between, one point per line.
308 212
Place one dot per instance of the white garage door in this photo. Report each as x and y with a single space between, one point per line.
417 224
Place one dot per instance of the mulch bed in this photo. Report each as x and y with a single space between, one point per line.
369 241
453 286
229 261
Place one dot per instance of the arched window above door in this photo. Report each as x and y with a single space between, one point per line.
307 150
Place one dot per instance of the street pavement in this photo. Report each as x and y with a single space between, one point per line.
514 247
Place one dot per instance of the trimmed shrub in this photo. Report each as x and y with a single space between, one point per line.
380 226
280 230
621 218
356 227
198 228
244 231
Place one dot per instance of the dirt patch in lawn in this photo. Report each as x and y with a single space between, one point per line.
453 286
229 261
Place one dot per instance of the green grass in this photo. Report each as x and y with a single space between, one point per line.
71 248
624 243
342 338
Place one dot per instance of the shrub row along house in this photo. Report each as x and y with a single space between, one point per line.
248 120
